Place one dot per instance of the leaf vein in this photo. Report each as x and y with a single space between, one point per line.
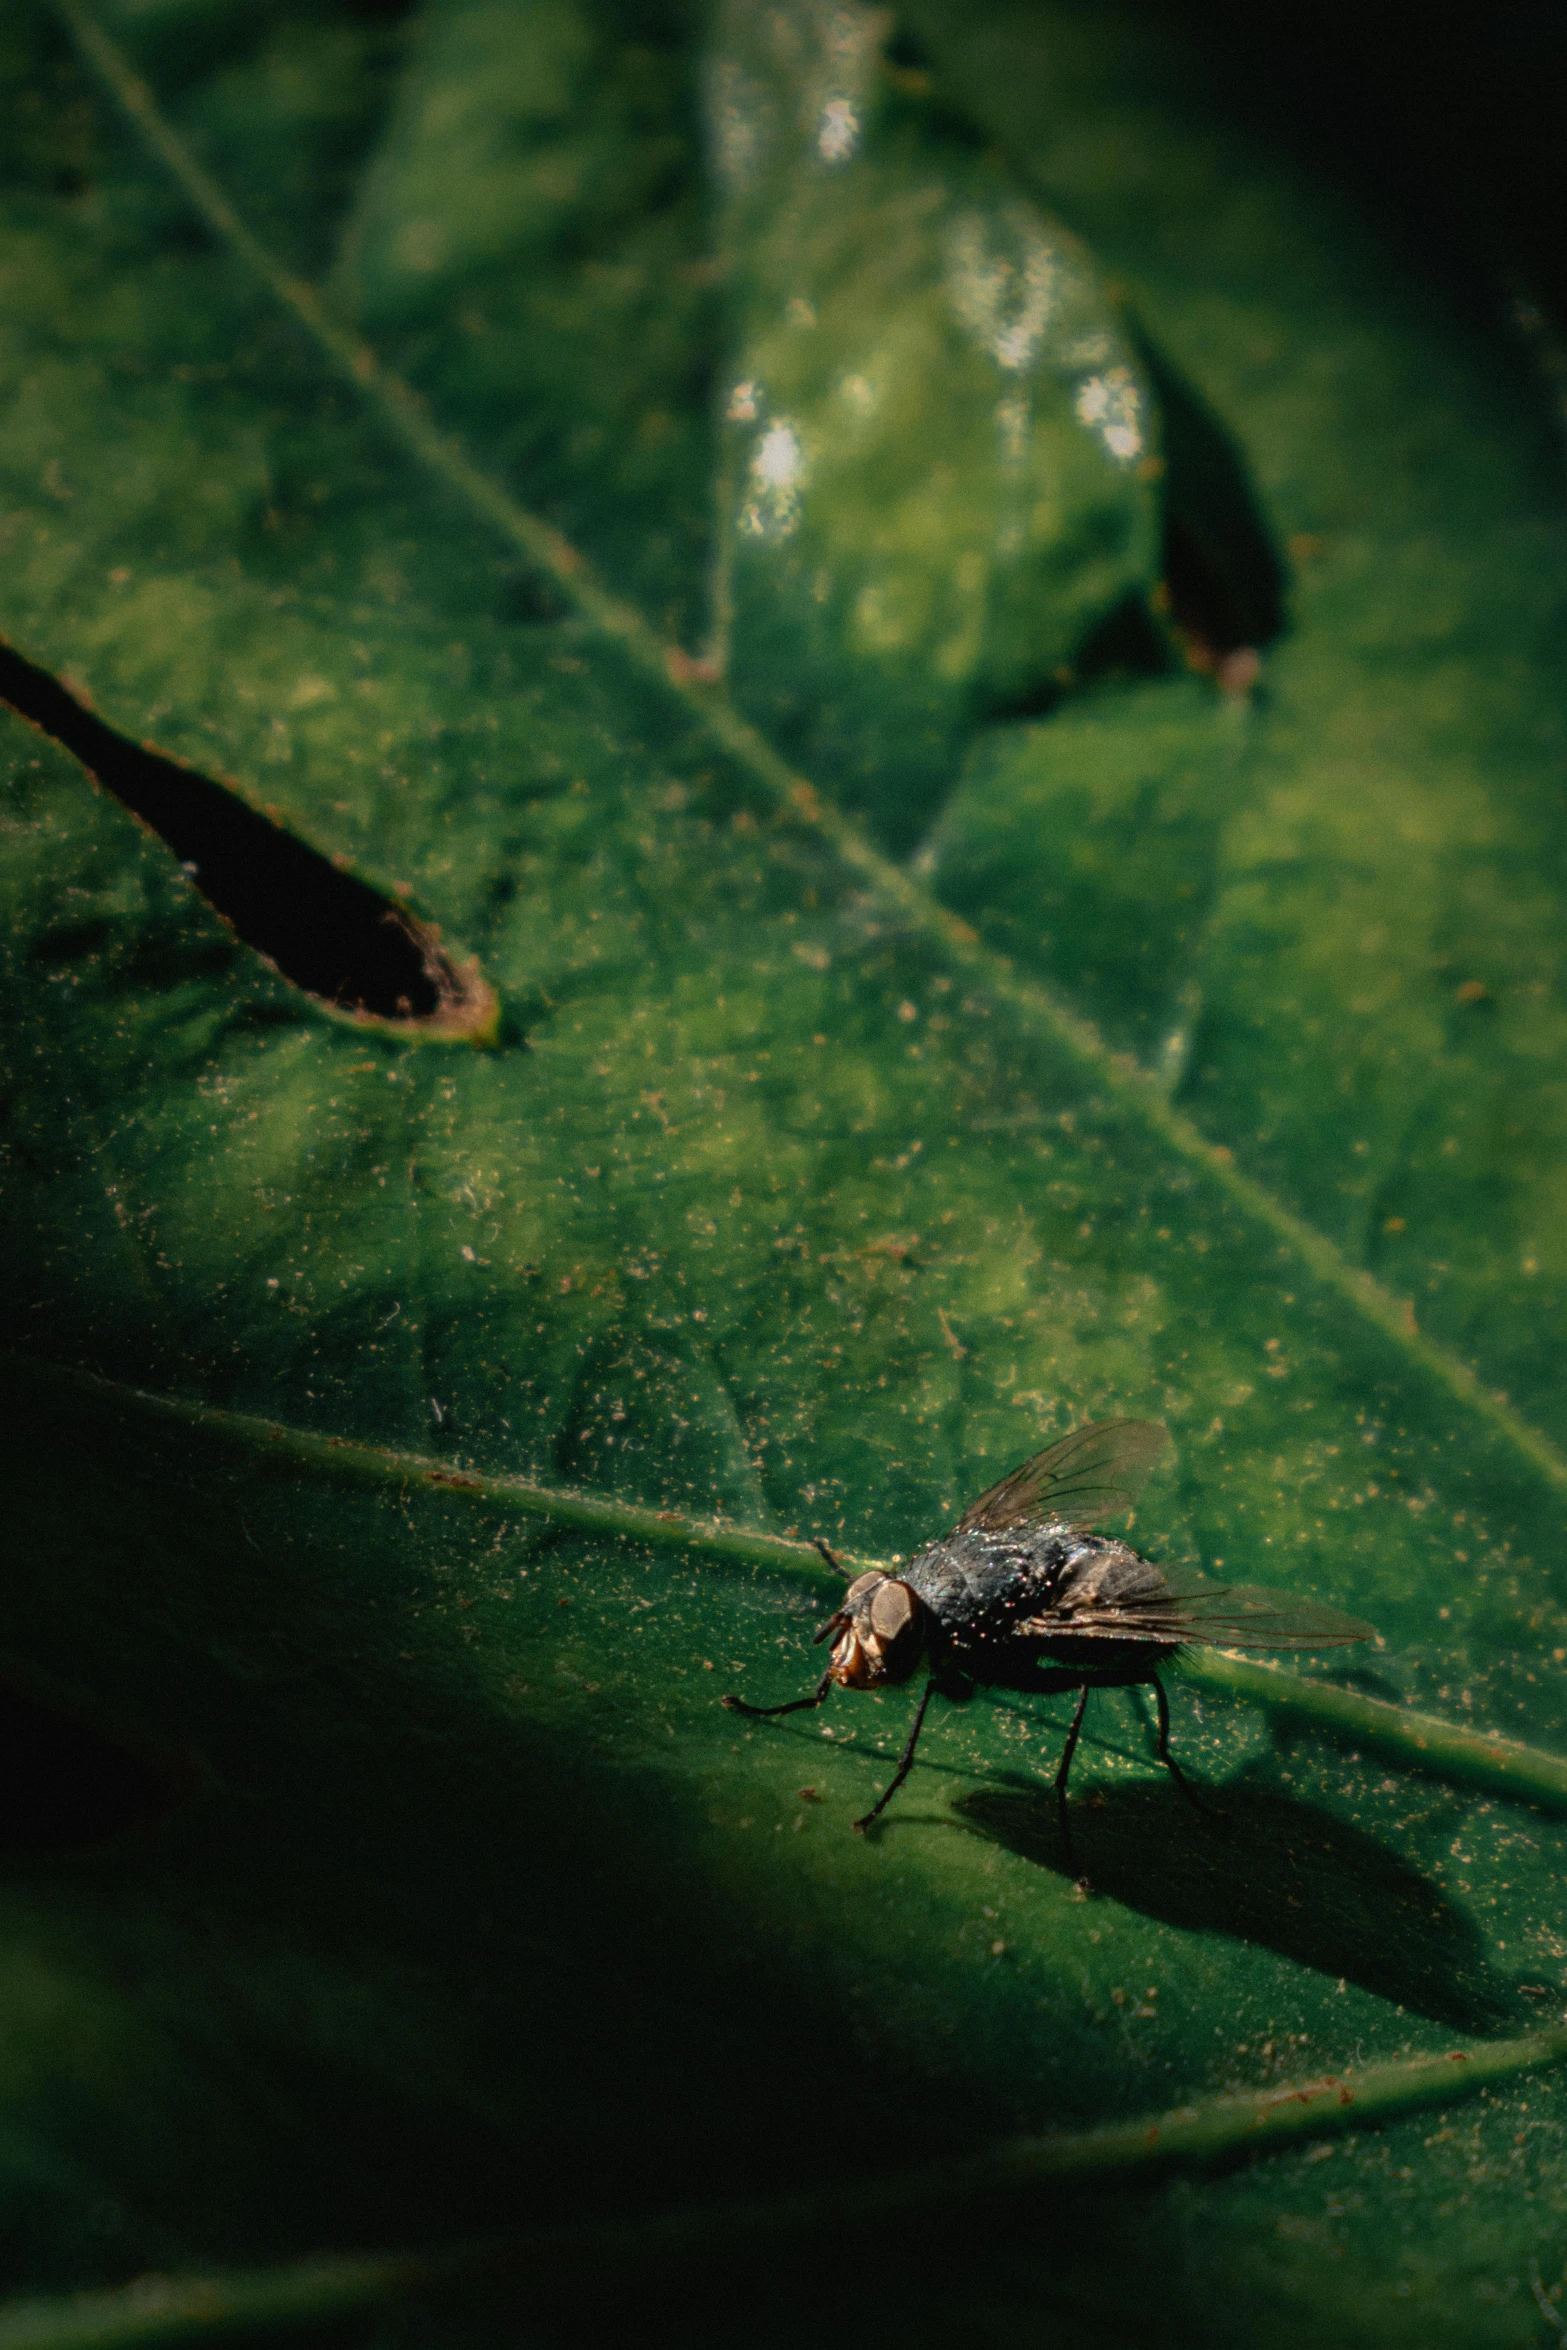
1140 1091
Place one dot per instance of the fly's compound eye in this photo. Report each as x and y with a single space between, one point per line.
863 1584
881 1633
897 1623
892 1610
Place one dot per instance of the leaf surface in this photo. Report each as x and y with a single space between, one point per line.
457 1906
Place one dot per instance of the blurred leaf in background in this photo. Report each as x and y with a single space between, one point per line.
1163 564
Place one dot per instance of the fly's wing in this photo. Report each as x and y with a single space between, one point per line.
1176 1606
1243 1615
1093 1474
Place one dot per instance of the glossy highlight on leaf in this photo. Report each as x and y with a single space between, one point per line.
938 443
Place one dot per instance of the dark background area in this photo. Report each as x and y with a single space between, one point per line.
1450 118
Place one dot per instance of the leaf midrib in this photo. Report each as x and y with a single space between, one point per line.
1423 1742
168 2309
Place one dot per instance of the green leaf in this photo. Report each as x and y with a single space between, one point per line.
364 448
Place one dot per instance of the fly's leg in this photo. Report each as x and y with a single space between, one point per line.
1162 1751
1062 1775
819 1544
905 1760
795 1705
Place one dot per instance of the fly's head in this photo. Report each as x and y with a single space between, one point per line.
878 1635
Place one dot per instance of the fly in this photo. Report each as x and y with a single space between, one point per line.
1022 1595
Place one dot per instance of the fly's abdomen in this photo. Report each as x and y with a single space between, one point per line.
1107 1587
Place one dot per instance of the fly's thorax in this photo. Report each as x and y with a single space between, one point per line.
879 1634
975 1584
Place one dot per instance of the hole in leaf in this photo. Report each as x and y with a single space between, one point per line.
324 930
1224 576
68 1787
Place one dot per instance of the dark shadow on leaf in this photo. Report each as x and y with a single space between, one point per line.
509 1880
1274 1871
71 1784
